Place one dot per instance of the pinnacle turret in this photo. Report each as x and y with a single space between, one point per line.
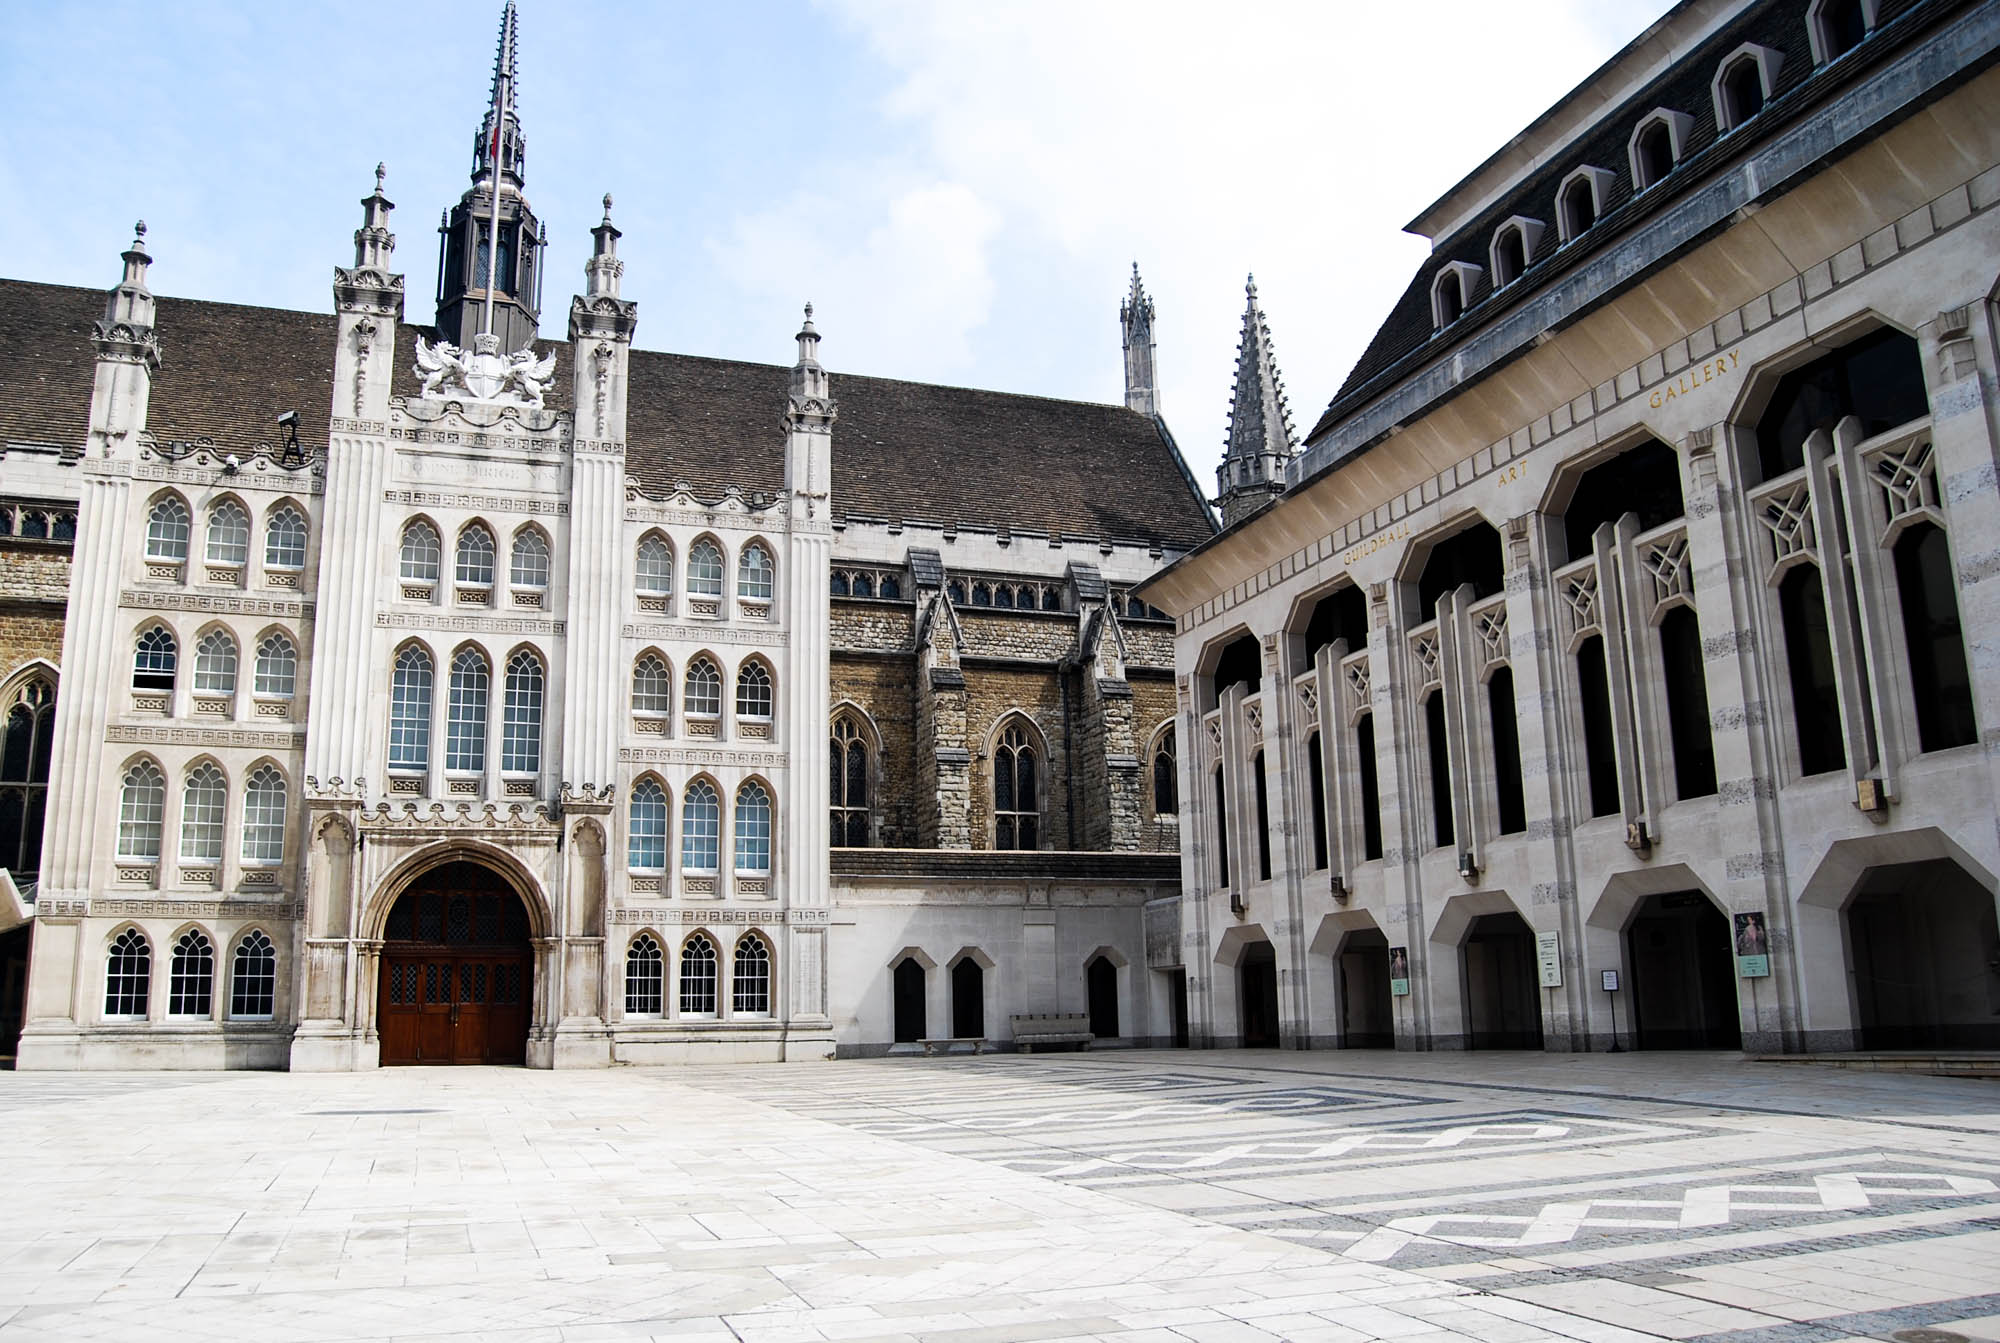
502 108
1135 315
1261 441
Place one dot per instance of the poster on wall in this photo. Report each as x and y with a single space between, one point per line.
1549 959
1753 947
1399 971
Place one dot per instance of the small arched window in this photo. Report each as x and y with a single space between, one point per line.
703 697
191 976
646 844
528 568
1744 84
705 569
24 778
701 827
154 660
253 978
753 829
847 772
1576 208
410 711
277 667
982 594
1652 155
215 664
750 987
1166 778
285 540
645 978
755 572
1510 256
1017 812
521 732
465 728
955 590
128 975
228 534
698 976
1447 299
422 552
864 585
204 802
475 557
753 692
654 567
837 583
167 530
142 804
652 687
264 817
1839 26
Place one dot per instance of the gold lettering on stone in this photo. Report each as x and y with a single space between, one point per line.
1697 375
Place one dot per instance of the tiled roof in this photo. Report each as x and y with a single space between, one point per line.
902 450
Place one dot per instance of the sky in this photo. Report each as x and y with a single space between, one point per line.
961 190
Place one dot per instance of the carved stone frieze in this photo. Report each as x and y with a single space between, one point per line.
341 424
521 822
556 508
217 605
167 907
145 734
702 755
425 620
707 634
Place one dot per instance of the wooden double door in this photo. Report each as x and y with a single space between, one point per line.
457 973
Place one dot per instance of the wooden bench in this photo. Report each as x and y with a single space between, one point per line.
931 1047
1072 1028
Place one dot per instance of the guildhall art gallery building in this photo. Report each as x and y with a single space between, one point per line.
1612 660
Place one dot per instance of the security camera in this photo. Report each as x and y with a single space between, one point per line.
232 464
287 419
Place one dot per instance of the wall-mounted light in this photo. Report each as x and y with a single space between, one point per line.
1637 838
1466 867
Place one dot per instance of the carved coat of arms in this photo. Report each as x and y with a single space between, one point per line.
483 373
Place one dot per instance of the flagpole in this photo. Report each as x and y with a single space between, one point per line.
499 148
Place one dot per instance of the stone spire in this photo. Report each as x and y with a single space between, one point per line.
367 302
600 329
373 243
1142 388
1260 422
126 333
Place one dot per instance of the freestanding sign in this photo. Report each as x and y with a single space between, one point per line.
1548 956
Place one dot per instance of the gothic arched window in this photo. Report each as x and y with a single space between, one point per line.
215 664
465 728
475 557
753 829
755 572
521 731
645 977
422 552
1166 778
753 692
228 534
705 569
128 975
204 803
154 660
698 976
285 539
253 978
167 530
847 780
701 827
703 697
528 568
142 805
410 711
264 817
646 833
277 667
1017 811
750 988
191 976
652 687
24 779
654 567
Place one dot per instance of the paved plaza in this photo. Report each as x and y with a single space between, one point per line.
1140 1196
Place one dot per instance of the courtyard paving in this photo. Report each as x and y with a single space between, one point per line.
1147 1197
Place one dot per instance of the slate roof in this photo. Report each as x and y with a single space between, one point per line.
1406 340
903 451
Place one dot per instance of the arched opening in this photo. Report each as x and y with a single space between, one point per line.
1450 298
1257 983
1101 989
1240 663
13 989
1843 25
1578 206
1599 752
1742 92
1510 257
1644 479
1341 614
457 970
1471 556
908 987
1687 704
1924 951
27 738
1652 155
1878 378
1503 998
1512 809
1367 1013
968 1000
1934 637
1809 659
1683 976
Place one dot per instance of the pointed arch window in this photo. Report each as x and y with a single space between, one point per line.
475 557
410 712
701 827
264 817
285 539
155 659
652 687
646 830
228 534
204 802
521 732
645 977
698 976
703 698
753 829
142 806
705 569
1017 813
24 779
215 664
756 573
654 567
847 780
277 667
253 978
1166 775
128 975
750 985
1934 638
422 552
191 976
528 567
167 530
465 730
753 692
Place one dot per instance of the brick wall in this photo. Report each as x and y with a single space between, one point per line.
885 690
34 590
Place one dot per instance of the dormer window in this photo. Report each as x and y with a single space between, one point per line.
1451 291
1744 82
1513 247
1580 200
1839 26
1656 146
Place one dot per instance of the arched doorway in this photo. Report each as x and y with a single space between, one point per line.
968 1000
1257 981
457 970
1367 1013
1924 949
909 1000
1683 974
1503 997
1101 984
